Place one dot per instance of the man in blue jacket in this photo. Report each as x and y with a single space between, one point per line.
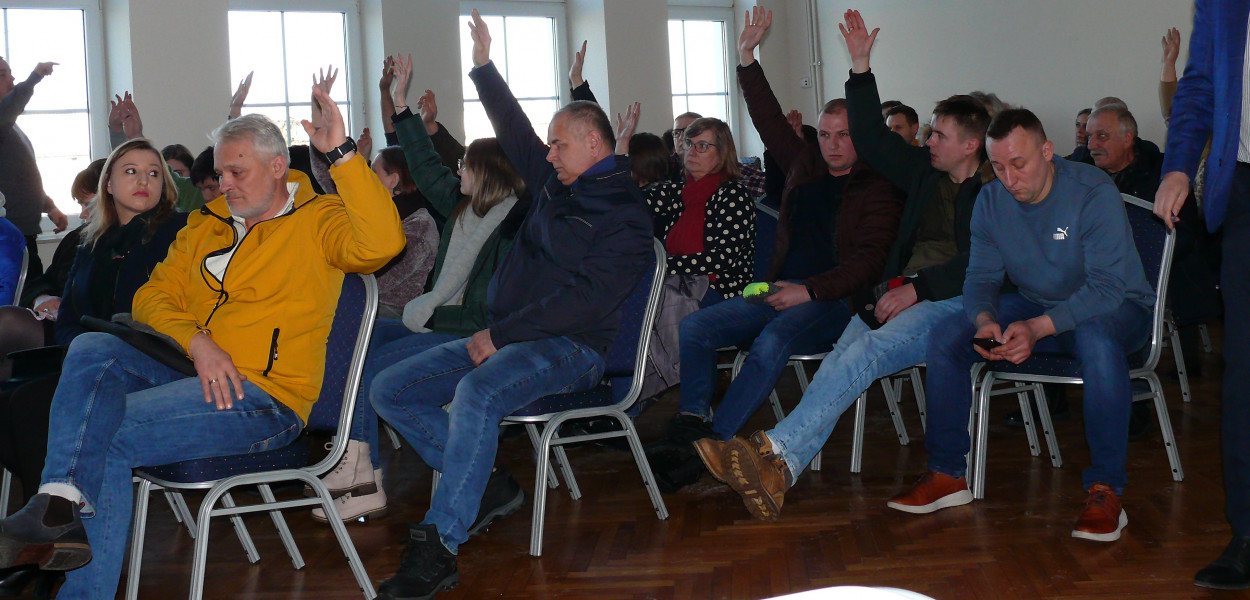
1216 90
554 306
1059 231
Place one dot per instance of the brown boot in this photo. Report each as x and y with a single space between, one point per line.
751 469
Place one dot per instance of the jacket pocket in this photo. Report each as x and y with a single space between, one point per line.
273 352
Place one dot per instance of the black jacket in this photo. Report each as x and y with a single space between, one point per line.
580 249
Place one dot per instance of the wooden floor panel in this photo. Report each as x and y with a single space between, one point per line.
834 530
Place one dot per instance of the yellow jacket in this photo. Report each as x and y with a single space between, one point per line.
283 283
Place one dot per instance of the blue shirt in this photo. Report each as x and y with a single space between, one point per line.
1072 253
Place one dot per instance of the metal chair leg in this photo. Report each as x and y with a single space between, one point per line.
1206 338
857 445
240 529
917 388
1048 426
6 484
138 530
284 532
1181 372
1165 427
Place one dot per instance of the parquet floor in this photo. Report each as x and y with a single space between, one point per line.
834 530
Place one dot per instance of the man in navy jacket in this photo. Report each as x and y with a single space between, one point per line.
554 307
1216 90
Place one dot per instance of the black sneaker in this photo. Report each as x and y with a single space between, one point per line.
426 568
503 496
47 532
1231 571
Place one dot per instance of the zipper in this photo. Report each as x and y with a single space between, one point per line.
273 352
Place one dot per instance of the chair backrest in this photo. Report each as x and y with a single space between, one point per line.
21 276
626 358
765 238
1154 242
346 348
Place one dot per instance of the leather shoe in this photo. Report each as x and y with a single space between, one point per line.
47 532
1231 571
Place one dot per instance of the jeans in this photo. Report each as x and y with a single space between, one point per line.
461 441
116 409
1101 344
392 345
809 328
1235 278
860 357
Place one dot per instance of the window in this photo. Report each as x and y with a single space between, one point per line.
56 118
699 67
524 49
284 49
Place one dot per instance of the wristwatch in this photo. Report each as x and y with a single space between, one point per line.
339 152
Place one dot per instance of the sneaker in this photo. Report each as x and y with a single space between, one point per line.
47 532
503 496
427 567
1103 517
933 491
1231 571
751 468
352 505
354 473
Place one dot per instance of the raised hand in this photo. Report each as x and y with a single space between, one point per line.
575 71
322 80
758 21
428 110
481 40
44 69
795 119
240 96
858 41
331 133
402 66
132 125
364 144
625 127
1171 49
388 74
117 111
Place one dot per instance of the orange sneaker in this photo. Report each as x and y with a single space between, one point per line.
933 491
1103 519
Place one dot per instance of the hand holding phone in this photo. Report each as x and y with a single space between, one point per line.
987 343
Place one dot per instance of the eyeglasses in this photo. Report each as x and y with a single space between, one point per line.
678 133
700 146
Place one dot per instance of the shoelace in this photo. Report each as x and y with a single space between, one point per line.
1098 498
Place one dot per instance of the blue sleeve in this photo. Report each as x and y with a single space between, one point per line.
11 244
1110 254
1193 106
985 263
512 128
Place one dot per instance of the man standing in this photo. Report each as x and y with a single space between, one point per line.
1058 230
554 307
1213 101
20 181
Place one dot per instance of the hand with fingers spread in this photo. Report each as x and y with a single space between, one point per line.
117 112
322 80
216 371
481 39
331 133
124 117
402 68
625 127
240 96
427 107
44 69
858 41
795 119
1171 49
575 71
758 21
384 85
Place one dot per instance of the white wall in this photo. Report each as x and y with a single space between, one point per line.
430 31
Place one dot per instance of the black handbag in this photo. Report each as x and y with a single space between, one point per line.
161 348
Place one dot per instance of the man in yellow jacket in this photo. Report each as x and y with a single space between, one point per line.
248 290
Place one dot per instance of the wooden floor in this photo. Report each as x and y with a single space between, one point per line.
834 530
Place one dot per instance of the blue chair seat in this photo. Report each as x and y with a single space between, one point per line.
292 456
1050 364
600 395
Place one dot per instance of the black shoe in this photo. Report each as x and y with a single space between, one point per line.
683 431
1231 571
676 468
1140 421
427 568
503 496
1056 401
14 580
47 532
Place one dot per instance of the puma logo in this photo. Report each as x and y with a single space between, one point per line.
1061 233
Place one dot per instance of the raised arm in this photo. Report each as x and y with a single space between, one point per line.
769 119
240 96
14 103
625 127
388 105
437 182
579 86
1167 79
512 127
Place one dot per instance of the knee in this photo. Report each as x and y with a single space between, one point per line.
949 333
384 391
1097 343
693 330
477 396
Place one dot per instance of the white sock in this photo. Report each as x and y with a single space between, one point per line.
63 490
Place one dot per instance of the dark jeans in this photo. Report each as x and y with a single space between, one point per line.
24 431
34 265
1235 277
1102 345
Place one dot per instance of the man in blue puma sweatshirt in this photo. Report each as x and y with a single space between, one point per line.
1059 230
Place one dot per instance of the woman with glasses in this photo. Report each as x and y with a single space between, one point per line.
132 223
483 211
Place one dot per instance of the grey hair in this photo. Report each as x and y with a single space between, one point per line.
265 136
1109 100
1122 115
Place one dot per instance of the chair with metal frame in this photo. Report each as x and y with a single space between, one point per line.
345 353
1154 243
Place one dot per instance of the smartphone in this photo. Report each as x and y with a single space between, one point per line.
986 343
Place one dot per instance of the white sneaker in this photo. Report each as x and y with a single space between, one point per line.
354 473
351 506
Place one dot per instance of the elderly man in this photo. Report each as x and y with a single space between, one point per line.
1058 230
116 408
554 307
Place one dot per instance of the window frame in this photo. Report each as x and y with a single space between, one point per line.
355 73
691 12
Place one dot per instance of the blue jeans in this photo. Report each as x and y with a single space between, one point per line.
392 345
461 441
860 357
808 328
1101 344
116 409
